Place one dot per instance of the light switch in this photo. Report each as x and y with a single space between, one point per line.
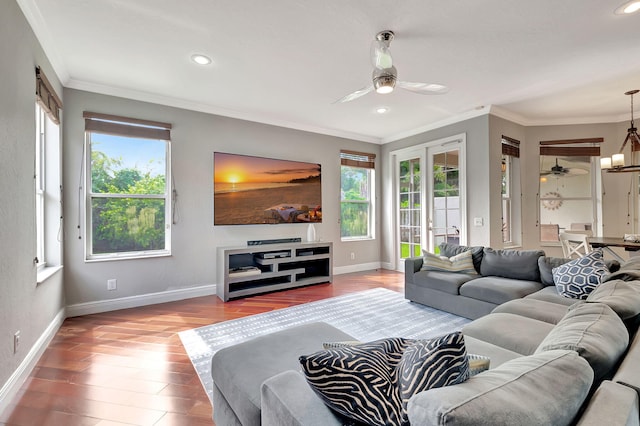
477 221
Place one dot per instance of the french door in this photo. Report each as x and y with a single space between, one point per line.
429 198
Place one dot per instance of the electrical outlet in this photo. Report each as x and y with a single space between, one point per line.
16 342
112 284
353 256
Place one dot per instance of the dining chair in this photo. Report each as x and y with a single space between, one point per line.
574 244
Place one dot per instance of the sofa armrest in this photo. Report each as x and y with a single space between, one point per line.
611 404
288 400
411 266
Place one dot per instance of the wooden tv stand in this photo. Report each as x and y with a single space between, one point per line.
248 270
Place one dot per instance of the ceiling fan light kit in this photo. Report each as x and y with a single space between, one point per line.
615 163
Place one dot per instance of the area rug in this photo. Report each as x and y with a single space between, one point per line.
366 315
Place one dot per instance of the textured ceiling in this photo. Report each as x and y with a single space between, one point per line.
285 62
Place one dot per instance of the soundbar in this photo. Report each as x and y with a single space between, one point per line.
274 241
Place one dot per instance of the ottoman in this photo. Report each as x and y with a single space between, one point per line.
239 371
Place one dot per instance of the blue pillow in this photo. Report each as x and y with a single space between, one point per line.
579 277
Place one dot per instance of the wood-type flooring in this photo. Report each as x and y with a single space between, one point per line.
129 367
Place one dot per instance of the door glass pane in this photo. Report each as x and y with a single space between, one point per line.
446 215
410 208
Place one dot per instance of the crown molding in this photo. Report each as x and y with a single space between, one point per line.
36 21
211 109
436 125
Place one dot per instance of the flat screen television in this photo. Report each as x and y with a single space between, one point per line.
251 190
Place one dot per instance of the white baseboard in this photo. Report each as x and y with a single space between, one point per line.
389 266
13 384
356 268
141 300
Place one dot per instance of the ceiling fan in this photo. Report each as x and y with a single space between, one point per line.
385 75
559 171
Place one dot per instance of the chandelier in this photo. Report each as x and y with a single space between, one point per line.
615 163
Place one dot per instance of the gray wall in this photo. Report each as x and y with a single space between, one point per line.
478 177
499 127
195 136
24 305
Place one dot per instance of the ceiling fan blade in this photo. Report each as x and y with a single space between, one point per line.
355 95
574 171
423 88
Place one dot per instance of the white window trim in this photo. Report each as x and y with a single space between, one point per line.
370 202
48 178
143 254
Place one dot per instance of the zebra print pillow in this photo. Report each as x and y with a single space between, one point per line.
429 364
372 382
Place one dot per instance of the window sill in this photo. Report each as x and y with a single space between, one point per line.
357 239
127 256
47 272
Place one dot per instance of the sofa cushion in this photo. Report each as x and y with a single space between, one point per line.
546 265
460 263
550 294
512 332
621 296
442 281
240 387
611 404
448 250
372 382
516 264
536 309
498 290
496 354
593 330
628 372
578 278
543 389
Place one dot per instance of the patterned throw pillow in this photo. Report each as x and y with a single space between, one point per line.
462 263
578 278
429 364
366 382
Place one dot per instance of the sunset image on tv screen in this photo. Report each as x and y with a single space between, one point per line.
255 190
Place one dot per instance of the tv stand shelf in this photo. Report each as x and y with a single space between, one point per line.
248 270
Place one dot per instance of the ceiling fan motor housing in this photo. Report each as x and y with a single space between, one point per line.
384 78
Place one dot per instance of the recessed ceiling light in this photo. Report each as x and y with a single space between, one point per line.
382 110
628 7
201 59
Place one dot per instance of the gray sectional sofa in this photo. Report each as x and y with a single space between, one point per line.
554 360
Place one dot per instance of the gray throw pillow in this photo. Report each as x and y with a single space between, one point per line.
515 264
621 296
594 331
450 250
542 389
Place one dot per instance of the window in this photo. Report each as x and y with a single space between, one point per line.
356 189
40 183
128 187
510 152
568 188
47 178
